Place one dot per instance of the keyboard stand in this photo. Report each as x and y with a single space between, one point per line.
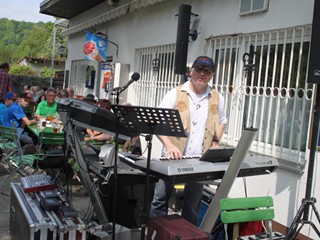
230 175
159 121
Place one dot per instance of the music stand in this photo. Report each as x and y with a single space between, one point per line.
159 121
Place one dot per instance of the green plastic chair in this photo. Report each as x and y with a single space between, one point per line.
7 144
23 160
13 156
237 210
51 139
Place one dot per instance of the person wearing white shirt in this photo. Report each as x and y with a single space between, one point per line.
203 117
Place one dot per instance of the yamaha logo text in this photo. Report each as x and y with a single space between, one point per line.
185 169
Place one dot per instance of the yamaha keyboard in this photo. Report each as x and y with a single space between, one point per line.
191 169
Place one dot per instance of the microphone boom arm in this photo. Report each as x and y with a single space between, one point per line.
134 77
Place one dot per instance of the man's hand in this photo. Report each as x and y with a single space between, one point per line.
172 152
215 144
38 117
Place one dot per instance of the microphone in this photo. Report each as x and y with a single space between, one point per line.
134 77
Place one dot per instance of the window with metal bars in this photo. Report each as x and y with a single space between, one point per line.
272 94
156 67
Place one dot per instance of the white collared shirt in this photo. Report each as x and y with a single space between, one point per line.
198 104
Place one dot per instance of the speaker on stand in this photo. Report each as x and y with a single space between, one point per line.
314 56
182 41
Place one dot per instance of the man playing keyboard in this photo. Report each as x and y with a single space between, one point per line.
203 117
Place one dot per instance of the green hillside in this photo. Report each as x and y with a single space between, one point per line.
20 38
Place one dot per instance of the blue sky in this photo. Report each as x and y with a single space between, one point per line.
23 10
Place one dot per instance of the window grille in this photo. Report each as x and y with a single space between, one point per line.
154 81
276 98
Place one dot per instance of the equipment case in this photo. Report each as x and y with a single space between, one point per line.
69 228
27 219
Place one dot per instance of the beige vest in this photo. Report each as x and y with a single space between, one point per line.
212 123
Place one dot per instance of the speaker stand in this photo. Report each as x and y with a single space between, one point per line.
308 201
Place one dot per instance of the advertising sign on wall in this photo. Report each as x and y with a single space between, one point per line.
95 48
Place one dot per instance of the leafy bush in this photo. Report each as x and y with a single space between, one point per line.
19 81
46 72
22 70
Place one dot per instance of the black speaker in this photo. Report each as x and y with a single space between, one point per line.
314 59
130 198
182 39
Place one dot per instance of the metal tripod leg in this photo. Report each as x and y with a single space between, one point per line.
295 222
294 230
317 216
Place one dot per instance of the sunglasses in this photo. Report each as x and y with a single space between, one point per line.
203 69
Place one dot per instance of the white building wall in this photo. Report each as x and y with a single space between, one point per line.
157 25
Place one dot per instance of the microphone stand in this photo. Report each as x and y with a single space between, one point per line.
115 171
116 92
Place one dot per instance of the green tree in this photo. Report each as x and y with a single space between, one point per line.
22 70
19 39
34 45
12 34
7 54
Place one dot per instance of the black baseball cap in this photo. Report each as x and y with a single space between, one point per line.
90 98
204 61
25 96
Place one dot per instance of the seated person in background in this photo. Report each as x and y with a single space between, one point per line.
104 103
91 134
97 136
16 114
37 93
30 94
79 97
90 98
26 88
70 92
8 99
63 93
133 145
48 107
33 105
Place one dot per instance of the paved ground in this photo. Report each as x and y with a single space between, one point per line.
4 206
80 203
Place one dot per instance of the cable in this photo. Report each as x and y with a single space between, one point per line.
101 193
265 229
245 186
6 178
